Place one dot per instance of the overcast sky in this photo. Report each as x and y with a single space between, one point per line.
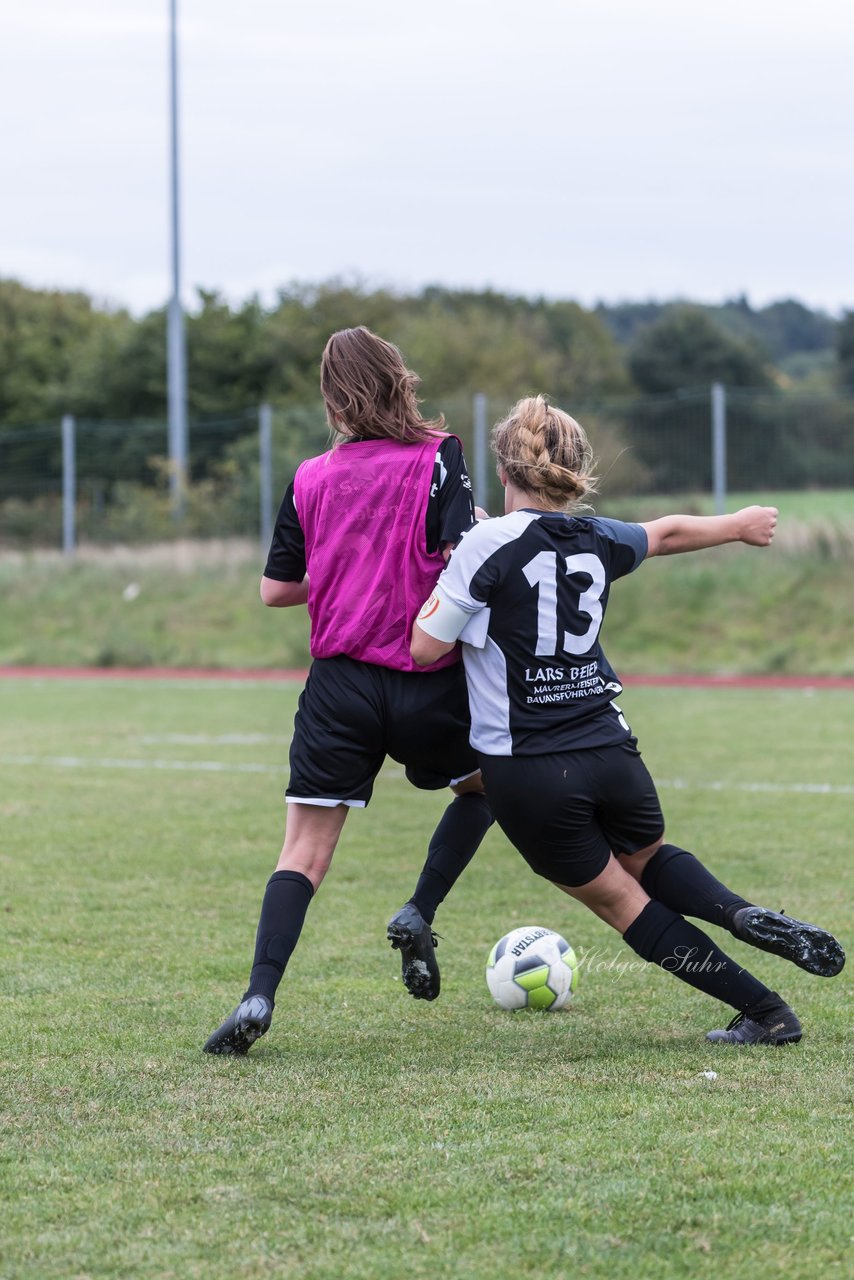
587 149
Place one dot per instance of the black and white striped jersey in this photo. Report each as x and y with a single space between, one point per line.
527 593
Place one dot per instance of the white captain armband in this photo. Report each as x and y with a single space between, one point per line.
441 619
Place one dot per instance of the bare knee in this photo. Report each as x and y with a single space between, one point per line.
635 863
310 838
614 896
311 862
471 785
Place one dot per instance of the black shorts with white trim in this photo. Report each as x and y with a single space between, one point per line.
352 715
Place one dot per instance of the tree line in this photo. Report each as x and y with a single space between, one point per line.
63 352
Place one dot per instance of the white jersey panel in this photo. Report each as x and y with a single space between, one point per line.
489 703
475 631
484 661
474 549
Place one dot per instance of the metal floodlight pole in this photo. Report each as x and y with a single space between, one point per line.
176 366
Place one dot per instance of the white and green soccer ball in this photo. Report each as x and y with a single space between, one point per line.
532 968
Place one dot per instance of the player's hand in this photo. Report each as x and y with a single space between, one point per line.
756 525
480 514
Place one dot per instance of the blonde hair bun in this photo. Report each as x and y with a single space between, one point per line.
545 452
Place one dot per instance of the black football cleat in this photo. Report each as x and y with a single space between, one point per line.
409 933
805 945
780 1026
242 1028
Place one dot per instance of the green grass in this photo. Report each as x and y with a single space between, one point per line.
733 612
787 609
78 614
729 610
369 1135
806 506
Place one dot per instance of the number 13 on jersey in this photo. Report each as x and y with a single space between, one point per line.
541 572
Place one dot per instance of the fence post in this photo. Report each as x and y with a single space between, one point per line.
719 447
265 471
69 484
481 448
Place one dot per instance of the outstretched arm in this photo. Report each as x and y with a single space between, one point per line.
673 534
280 595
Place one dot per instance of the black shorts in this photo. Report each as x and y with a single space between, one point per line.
351 715
566 813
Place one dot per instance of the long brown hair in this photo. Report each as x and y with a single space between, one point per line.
369 392
545 452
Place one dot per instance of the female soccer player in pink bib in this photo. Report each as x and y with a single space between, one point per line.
361 538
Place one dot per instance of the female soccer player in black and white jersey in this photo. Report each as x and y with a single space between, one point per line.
527 594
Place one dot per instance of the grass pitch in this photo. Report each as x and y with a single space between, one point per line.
786 609
369 1135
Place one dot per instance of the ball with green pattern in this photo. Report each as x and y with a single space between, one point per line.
532 968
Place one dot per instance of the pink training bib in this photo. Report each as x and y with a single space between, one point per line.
363 510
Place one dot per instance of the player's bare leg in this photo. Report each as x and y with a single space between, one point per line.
311 836
662 937
310 839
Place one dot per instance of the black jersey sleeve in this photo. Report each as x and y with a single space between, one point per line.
286 557
450 510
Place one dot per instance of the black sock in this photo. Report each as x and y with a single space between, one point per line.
283 910
768 1004
664 938
455 841
679 880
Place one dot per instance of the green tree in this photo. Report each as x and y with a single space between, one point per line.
625 320
591 362
120 371
783 328
296 330
228 368
42 336
461 342
685 348
845 351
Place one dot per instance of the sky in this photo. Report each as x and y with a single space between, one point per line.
598 150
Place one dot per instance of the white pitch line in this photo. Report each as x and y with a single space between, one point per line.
783 788
222 766
212 739
107 762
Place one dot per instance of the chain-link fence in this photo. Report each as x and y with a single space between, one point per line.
110 482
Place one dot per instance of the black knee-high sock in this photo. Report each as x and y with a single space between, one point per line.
664 938
455 841
283 909
679 880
